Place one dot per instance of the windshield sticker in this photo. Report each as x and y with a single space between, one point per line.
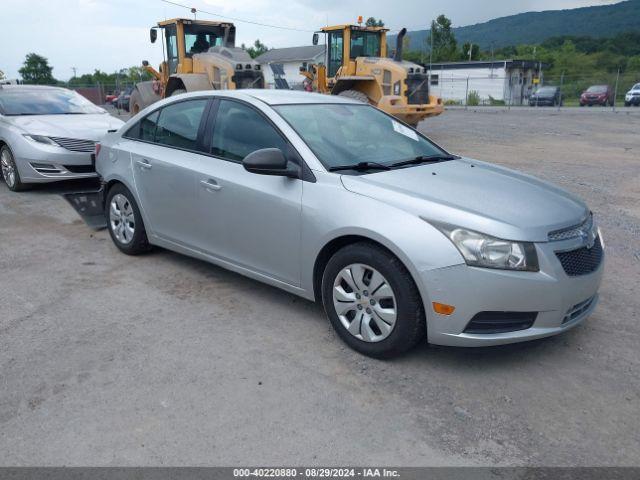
406 131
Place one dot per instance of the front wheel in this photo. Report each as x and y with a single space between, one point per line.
125 222
372 301
135 102
10 172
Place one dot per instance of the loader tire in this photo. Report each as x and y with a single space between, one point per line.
135 102
354 95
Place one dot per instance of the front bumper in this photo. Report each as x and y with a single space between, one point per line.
542 102
47 163
633 100
410 113
594 101
560 301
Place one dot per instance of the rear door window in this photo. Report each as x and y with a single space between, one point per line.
179 123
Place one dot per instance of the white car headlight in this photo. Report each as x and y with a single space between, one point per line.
480 250
41 139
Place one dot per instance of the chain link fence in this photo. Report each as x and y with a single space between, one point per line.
501 89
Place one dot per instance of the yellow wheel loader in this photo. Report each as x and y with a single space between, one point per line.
356 66
198 55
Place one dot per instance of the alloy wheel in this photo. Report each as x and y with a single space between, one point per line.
122 219
365 302
8 168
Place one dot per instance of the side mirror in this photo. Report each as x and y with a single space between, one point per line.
270 161
153 35
316 37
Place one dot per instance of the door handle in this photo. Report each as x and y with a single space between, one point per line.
144 164
210 185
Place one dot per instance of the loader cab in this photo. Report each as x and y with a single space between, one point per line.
346 43
183 38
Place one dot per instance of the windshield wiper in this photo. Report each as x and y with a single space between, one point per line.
424 159
360 167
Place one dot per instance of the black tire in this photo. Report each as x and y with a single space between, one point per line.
17 186
354 95
139 242
410 325
135 102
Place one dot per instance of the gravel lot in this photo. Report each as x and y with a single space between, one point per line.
164 360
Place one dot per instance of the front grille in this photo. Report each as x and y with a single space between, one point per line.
417 88
583 260
572 232
75 145
80 168
577 310
500 322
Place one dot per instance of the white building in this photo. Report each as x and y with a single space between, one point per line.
291 59
508 81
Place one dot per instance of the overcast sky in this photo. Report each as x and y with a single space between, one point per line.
111 34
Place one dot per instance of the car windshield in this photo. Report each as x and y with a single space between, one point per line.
636 86
546 90
44 102
344 134
597 89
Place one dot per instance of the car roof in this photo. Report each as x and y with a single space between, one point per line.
278 97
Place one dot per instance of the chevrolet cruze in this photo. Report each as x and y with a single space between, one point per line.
336 201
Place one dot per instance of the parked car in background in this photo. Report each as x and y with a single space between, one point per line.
110 98
633 96
546 96
122 102
48 134
334 200
597 95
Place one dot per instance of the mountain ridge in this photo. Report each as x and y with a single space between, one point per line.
535 27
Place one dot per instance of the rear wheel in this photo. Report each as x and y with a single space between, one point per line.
372 301
125 222
10 172
354 95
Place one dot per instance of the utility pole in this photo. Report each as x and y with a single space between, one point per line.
470 50
431 48
615 92
74 71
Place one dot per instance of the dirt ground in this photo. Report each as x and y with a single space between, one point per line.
165 360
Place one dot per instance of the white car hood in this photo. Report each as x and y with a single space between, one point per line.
486 198
92 126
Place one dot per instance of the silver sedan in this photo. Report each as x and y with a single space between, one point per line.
48 134
340 203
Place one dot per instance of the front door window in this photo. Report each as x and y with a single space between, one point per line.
336 52
172 48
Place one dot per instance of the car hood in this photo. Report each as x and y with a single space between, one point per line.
86 127
475 195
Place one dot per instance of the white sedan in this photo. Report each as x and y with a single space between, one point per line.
48 134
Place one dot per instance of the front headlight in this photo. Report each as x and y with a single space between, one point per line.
41 139
480 250
396 88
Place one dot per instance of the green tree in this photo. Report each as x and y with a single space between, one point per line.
36 70
372 22
257 49
475 51
443 40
